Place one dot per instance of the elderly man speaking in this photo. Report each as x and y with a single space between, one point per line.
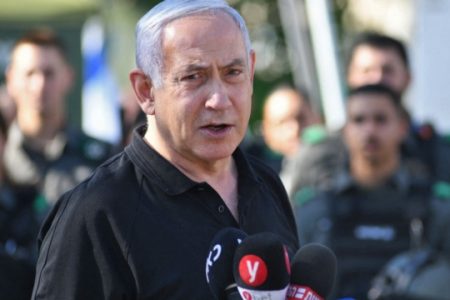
141 225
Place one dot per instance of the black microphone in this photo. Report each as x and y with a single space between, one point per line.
261 267
313 273
219 263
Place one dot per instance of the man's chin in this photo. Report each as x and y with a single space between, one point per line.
373 158
217 153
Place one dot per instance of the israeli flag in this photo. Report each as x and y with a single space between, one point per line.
100 95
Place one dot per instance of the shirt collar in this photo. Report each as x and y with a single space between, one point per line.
52 150
401 179
171 179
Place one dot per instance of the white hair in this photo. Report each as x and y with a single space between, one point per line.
149 52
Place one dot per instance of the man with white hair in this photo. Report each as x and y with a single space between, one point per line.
141 226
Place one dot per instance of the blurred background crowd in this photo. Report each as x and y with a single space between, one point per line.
349 108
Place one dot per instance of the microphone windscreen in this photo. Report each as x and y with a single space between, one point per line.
219 263
314 266
261 263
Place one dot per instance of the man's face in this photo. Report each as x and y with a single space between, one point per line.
370 65
38 80
286 114
374 129
202 109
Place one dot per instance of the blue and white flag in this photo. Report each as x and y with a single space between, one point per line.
100 103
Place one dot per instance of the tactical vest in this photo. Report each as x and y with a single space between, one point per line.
368 228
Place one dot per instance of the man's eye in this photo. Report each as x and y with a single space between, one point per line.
191 77
49 73
235 72
358 119
381 119
234 75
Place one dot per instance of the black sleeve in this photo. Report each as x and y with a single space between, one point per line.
307 215
81 256
439 229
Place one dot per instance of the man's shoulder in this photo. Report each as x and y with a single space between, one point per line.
106 196
110 184
261 169
114 176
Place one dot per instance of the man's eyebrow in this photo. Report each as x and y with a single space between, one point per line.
236 62
194 67
199 66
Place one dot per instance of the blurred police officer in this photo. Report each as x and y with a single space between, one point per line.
374 59
43 151
18 230
380 203
380 59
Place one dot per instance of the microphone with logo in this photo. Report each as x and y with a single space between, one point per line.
313 273
261 267
219 263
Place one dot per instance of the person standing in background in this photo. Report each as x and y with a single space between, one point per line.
43 151
380 204
19 226
379 59
373 59
287 112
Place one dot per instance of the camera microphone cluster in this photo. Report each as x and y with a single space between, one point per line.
258 267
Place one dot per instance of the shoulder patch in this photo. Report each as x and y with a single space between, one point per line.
314 134
441 190
95 150
40 204
426 132
446 138
304 195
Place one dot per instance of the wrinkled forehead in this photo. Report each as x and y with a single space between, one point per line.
205 23
203 39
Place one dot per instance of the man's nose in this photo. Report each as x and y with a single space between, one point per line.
218 95
38 81
376 77
370 127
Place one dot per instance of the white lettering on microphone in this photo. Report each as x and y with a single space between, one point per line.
252 270
213 256
249 296
301 293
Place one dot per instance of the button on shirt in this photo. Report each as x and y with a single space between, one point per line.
141 229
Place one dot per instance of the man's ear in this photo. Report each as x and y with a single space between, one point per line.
143 89
252 63
404 126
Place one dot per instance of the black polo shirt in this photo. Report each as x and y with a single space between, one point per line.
138 228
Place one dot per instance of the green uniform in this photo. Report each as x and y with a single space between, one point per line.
66 161
368 227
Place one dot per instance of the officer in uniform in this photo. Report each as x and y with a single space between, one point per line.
43 151
18 231
374 59
379 205
379 59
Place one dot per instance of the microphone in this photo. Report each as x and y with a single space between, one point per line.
261 267
313 273
219 263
